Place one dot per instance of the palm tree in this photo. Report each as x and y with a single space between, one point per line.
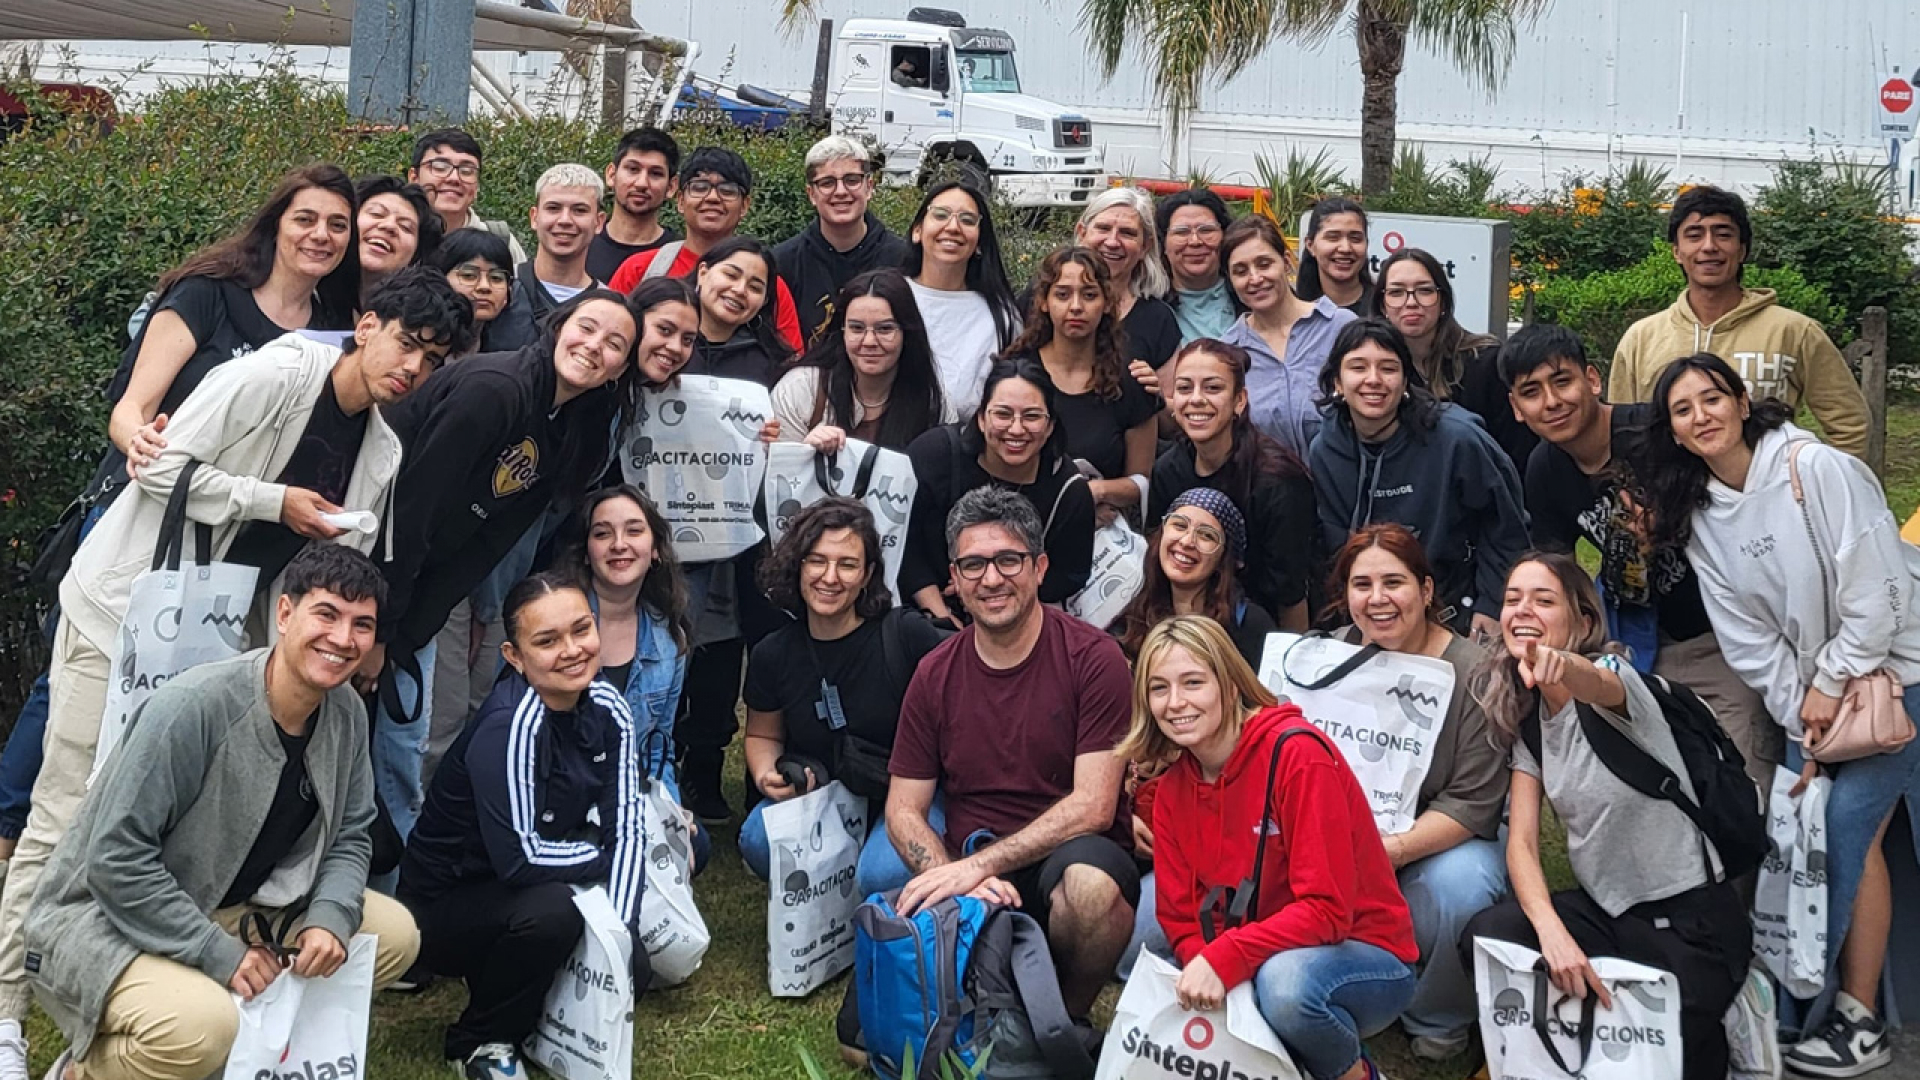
1184 40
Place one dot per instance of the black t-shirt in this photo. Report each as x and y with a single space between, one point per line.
605 254
1097 427
1150 332
322 462
1280 515
1566 504
292 811
617 675
785 669
226 323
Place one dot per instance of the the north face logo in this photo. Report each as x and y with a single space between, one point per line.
518 468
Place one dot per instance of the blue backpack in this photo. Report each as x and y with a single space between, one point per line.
963 978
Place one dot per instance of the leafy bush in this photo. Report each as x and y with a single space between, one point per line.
1600 307
1464 188
1589 226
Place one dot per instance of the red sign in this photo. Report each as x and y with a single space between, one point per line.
1896 95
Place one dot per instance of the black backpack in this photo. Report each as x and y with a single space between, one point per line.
1728 814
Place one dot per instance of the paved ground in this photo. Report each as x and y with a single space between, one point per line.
1906 1056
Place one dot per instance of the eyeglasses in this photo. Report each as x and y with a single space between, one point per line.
471 275
1194 232
1009 563
445 167
1419 294
825 184
726 189
885 331
1205 537
1002 417
943 214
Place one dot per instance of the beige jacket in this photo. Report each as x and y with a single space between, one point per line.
1780 353
242 424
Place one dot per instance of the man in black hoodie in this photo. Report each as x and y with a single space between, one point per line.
845 239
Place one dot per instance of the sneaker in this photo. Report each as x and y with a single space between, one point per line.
1853 1043
13 1051
60 1064
707 804
1440 1047
493 1061
417 980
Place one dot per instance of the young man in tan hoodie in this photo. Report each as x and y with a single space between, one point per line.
1780 353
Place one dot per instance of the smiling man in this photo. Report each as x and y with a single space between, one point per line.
446 165
243 786
565 216
845 238
1780 353
283 438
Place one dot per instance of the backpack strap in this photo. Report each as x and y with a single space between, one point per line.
1053 1028
1632 764
664 257
1046 531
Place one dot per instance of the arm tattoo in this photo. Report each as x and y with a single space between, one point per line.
918 855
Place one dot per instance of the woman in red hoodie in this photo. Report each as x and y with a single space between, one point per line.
1326 938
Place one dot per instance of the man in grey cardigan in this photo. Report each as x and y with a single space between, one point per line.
243 786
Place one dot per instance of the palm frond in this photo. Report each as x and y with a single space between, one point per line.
1479 36
797 13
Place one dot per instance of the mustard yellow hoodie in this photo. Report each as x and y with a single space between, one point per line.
1780 353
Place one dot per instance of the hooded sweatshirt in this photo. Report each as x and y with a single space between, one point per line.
1780 353
485 449
739 357
1453 486
1326 878
1788 617
815 270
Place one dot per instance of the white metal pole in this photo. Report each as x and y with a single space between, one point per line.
1680 123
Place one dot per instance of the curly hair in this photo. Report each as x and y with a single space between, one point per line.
1108 366
780 571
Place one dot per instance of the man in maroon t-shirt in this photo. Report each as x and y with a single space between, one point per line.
1013 721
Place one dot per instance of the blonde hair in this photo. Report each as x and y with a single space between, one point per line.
1207 643
1149 277
568 174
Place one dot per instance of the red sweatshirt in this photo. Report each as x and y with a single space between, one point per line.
786 317
1326 879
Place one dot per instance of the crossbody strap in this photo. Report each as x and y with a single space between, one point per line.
1813 535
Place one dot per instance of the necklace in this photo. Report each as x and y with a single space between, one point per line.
870 406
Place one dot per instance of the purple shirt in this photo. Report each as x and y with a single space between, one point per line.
1281 391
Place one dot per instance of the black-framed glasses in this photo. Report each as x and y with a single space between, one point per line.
1419 294
1009 563
825 184
445 167
726 189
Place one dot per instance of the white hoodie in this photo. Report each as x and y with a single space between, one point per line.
1780 629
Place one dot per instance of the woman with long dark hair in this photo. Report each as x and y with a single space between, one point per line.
1333 256
1014 441
1808 586
960 286
1073 330
869 375
1218 447
736 279
1416 296
1648 888
1450 864
1286 336
1191 224
397 227
1193 568
1391 452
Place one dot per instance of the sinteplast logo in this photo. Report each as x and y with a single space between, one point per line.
1194 1057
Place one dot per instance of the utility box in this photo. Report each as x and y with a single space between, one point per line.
1476 253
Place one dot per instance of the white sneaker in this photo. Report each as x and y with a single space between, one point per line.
1853 1043
13 1051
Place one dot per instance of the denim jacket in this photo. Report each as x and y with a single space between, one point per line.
653 693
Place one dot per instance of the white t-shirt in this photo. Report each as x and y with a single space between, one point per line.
562 293
960 328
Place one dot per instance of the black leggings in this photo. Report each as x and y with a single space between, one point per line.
1702 936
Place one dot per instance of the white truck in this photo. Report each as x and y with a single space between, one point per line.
929 88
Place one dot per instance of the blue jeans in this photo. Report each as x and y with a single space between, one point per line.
1321 1001
1444 891
20 762
1147 934
399 749
881 869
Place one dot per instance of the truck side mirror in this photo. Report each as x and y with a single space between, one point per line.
941 78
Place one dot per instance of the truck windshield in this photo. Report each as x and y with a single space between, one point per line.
988 73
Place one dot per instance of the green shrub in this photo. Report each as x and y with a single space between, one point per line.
1600 307
1590 226
1463 188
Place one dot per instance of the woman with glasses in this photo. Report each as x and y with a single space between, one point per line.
1255 798
479 267
1073 331
1197 553
1417 298
737 337
870 375
961 287
1014 442
1333 257
1118 225
1190 224
1286 336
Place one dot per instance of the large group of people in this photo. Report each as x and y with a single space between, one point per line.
447 721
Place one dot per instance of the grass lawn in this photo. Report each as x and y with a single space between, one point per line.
724 1026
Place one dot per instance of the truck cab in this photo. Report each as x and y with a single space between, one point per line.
930 88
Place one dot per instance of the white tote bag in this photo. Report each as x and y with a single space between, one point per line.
586 1023
178 617
1534 1032
1790 897
1153 1038
308 1027
814 843
1383 710
1119 572
799 476
671 929
695 448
